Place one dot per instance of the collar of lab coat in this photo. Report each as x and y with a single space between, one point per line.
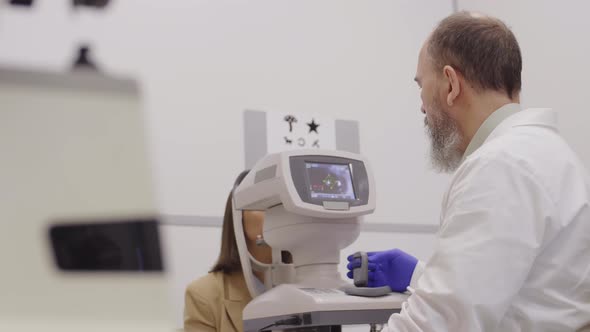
486 128
542 117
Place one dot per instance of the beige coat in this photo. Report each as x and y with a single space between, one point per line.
215 303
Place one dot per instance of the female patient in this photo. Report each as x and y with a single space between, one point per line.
215 302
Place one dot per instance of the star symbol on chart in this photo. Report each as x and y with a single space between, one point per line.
313 126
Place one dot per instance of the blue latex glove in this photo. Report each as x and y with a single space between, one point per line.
393 268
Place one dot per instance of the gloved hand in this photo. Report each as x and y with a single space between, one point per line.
393 268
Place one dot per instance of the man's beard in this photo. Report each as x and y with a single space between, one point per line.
445 139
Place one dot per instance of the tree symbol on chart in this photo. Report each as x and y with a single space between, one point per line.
290 120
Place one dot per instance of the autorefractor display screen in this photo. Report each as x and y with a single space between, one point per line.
330 181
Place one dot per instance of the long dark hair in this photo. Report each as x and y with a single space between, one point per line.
229 257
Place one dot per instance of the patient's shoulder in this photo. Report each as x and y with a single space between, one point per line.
208 287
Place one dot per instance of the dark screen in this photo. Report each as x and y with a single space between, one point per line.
107 246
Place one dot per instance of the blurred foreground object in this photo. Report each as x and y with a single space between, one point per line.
79 239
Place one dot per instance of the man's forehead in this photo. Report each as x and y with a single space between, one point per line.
423 51
425 60
421 59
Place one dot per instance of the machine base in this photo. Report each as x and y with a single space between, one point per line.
291 306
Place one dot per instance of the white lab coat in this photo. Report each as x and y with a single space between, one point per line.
513 250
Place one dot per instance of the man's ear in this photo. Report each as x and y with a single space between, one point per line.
450 74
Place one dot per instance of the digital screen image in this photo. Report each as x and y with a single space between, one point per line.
330 181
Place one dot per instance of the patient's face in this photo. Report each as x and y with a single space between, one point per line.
253 222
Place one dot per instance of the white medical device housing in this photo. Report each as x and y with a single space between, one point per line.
314 200
78 237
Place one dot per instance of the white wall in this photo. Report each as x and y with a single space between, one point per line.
553 36
201 63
